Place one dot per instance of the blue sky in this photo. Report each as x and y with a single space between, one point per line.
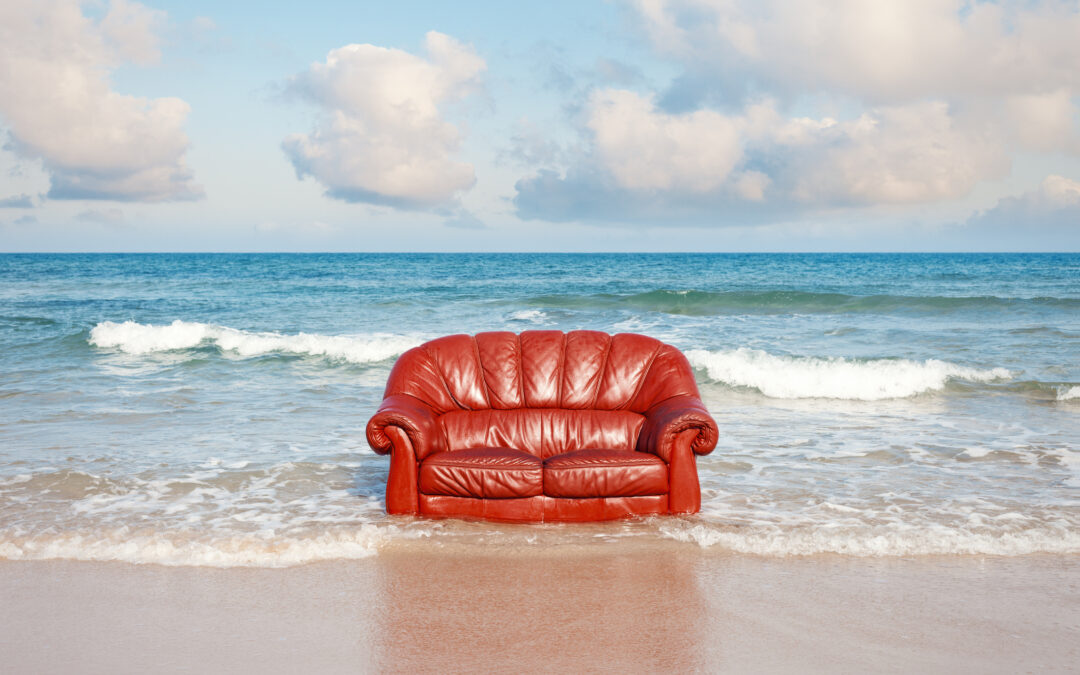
650 125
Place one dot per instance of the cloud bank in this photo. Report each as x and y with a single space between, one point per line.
58 107
382 138
883 52
1052 208
647 164
785 111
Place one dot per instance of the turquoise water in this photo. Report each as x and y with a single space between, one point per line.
210 409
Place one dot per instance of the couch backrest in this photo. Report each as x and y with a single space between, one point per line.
541 431
579 370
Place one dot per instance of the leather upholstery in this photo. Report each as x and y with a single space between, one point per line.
542 431
414 417
580 370
574 401
667 419
543 508
489 473
605 473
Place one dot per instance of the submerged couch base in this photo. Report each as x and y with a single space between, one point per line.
542 508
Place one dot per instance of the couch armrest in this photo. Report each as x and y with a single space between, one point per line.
668 418
411 415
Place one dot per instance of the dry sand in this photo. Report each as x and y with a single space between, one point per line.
675 609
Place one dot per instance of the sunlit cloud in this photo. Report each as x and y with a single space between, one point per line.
382 138
58 106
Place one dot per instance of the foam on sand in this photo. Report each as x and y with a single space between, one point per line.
865 540
138 338
838 378
177 549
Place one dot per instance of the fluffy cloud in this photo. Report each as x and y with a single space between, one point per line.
727 166
885 52
382 138
898 103
644 149
1045 122
906 154
1014 63
57 104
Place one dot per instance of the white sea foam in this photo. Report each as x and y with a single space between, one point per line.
867 540
169 548
138 338
225 548
220 514
1070 394
229 514
531 315
839 378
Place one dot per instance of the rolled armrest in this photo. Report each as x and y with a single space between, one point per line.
411 415
667 419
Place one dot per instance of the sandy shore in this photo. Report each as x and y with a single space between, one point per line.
674 609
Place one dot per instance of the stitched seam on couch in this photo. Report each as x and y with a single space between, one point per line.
599 466
644 376
501 467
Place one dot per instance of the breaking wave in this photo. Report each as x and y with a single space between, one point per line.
838 378
139 338
1070 394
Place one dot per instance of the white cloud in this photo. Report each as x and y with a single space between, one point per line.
907 154
57 104
382 138
751 186
1045 122
645 149
881 51
904 154
1060 191
904 103
131 29
1014 63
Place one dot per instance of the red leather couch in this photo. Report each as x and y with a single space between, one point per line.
542 426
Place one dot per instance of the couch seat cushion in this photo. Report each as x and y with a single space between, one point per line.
605 473
491 473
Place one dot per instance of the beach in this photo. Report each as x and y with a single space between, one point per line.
590 609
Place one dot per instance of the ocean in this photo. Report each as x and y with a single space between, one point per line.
191 409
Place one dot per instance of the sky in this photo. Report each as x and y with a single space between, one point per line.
636 125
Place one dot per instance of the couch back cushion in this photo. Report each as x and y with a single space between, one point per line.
542 431
579 370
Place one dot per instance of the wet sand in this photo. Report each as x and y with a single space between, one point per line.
674 609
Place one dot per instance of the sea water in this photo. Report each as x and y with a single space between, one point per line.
210 409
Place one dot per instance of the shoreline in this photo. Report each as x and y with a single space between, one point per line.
411 609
